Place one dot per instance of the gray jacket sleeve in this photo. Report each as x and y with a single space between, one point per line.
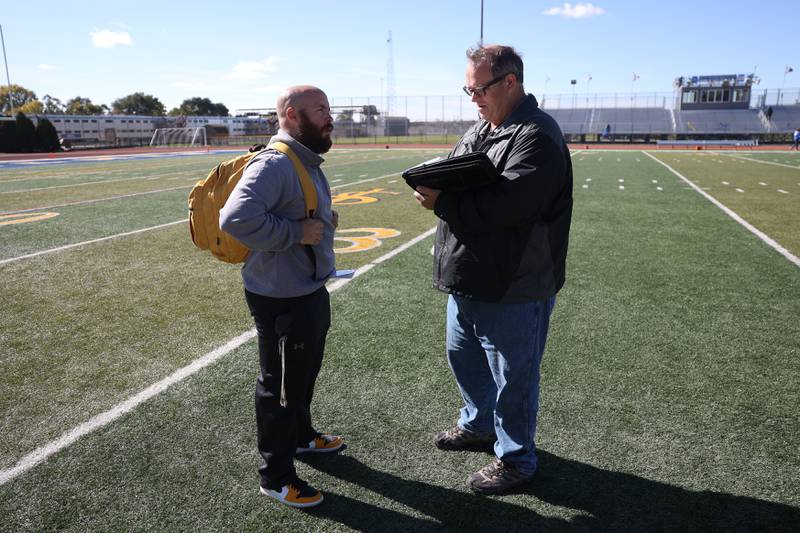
257 212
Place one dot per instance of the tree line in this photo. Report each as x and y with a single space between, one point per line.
21 135
16 98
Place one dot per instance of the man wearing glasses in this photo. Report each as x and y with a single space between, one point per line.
500 254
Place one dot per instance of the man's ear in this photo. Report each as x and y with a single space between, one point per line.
514 80
291 113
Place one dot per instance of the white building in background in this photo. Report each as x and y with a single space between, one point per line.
138 129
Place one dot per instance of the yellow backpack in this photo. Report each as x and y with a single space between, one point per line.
209 195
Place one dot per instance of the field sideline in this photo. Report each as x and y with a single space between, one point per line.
669 392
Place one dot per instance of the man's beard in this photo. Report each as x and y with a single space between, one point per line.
311 136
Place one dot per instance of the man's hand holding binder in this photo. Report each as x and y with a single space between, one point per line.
426 196
458 173
454 174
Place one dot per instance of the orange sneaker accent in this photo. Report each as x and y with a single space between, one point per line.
295 495
323 444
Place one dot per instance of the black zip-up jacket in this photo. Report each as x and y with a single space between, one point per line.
507 242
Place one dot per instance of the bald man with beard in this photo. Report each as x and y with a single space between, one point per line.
284 280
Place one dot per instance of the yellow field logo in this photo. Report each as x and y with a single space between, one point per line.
361 243
24 218
360 197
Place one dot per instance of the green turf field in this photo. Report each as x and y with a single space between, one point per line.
670 383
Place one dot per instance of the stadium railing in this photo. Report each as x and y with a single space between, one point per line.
710 143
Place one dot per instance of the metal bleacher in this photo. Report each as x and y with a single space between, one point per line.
785 118
635 120
660 121
574 121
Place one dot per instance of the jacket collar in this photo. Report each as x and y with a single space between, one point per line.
307 157
521 113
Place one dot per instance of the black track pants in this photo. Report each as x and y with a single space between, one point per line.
291 340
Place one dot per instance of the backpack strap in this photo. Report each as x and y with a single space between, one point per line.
309 190
309 193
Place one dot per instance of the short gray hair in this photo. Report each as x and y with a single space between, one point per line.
501 59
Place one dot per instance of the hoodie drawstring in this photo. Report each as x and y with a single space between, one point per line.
282 349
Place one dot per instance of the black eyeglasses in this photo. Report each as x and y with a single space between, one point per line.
480 90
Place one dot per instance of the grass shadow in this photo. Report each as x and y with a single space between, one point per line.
604 501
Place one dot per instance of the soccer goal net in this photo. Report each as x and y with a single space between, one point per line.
179 137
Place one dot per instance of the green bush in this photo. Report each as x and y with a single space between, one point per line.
7 130
46 136
24 139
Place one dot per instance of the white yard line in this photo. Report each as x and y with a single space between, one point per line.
361 161
82 184
114 157
732 156
369 266
40 454
752 229
332 165
383 150
366 180
63 175
77 244
82 202
101 239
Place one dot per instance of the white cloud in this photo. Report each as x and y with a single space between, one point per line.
578 11
272 89
109 39
189 84
44 66
252 70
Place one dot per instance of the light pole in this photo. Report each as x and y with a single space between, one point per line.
481 40
588 81
5 61
380 102
544 92
573 83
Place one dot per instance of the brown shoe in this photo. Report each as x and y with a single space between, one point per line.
455 439
496 478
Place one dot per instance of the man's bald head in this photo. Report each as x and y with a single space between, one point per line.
296 97
304 113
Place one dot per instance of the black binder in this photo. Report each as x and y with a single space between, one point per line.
457 173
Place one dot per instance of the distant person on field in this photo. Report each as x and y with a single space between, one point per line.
607 131
796 139
284 280
500 254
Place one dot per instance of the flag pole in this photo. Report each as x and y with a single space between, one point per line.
783 85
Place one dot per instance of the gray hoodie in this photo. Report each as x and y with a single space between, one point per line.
264 212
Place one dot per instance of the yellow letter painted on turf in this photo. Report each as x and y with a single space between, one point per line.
23 218
354 198
361 243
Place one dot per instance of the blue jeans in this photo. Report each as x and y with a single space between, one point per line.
495 351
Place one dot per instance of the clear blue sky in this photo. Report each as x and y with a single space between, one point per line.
241 53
